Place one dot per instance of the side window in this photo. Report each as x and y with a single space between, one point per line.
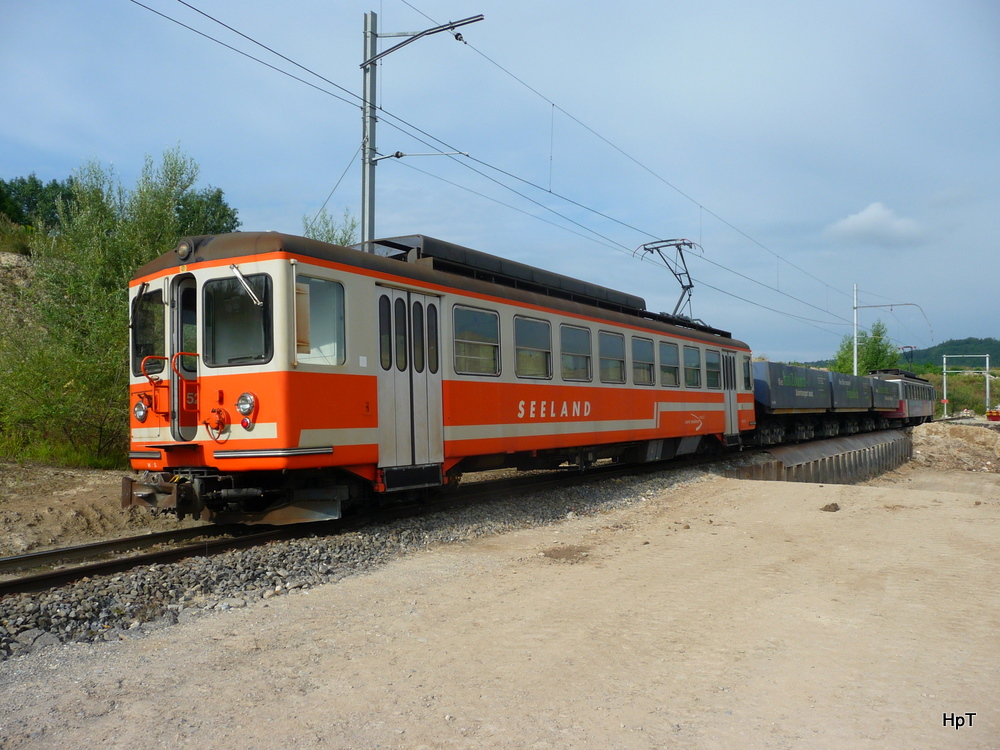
575 351
319 321
692 367
713 369
670 365
747 376
612 354
385 332
643 364
477 341
532 348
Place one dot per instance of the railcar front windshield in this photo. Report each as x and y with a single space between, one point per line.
238 331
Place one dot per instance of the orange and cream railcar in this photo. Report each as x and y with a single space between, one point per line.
275 378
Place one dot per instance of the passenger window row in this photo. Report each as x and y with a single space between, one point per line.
913 391
477 352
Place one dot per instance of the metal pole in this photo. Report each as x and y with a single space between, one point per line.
368 149
987 382
855 329
944 398
369 152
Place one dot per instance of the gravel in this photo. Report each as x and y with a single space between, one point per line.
129 605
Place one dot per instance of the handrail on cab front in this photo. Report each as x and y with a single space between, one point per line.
153 379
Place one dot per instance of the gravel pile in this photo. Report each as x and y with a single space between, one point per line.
131 604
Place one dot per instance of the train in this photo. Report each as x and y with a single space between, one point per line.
278 379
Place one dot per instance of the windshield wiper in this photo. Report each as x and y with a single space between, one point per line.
136 302
246 285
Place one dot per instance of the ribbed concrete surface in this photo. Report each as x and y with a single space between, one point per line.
843 460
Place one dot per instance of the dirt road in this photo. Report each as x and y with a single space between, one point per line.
724 614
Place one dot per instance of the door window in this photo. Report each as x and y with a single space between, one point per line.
418 337
432 338
385 332
400 326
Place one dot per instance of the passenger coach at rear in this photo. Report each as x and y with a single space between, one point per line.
912 397
275 378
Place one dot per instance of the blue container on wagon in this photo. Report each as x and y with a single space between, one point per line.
850 392
885 394
779 387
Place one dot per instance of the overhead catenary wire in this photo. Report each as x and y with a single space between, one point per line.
244 54
386 113
403 125
479 161
634 160
615 246
342 176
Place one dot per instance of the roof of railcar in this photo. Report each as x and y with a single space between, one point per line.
466 269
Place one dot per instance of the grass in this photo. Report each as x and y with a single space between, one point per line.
965 391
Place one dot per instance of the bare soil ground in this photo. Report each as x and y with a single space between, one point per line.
44 507
722 614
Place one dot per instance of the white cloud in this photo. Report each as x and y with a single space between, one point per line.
878 225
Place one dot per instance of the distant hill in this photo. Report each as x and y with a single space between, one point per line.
933 355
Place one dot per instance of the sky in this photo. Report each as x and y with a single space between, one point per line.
803 147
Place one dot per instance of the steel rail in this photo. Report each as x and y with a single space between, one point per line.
64 576
479 492
42 558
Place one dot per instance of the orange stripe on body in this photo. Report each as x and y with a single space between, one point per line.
293 401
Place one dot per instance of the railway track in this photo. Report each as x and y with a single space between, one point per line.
102 599
48 569
63 555
63 575
38 571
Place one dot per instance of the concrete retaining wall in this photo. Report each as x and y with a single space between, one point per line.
836 461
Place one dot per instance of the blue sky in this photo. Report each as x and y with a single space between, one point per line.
805 146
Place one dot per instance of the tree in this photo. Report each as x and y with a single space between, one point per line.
64 337
875 351
27 200
206 212
325 228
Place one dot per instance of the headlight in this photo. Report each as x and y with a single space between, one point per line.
246 403
140 410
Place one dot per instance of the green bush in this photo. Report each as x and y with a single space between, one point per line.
64 335
965 391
